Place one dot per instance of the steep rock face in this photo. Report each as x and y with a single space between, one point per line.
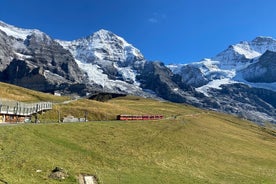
193 76
5 51
157 78
48 54
262 71
255 104
20 73
32 59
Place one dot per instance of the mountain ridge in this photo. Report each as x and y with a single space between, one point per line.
248 64
105 62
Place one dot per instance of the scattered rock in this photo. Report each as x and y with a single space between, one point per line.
88 179
58 174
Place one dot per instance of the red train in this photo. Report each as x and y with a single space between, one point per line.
139 117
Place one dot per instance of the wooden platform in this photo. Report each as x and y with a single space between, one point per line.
14 111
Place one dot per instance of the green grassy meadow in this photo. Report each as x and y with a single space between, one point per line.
188 146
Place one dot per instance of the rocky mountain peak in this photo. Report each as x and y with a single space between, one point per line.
263 39
103 45
105 36
240 55
262 44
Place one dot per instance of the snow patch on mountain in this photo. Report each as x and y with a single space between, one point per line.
19 33
104 52
97 76
128 74
94 72
22 56
215 84
244 49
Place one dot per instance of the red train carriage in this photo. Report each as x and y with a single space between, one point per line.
139 117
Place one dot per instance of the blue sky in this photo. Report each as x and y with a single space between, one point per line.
172 31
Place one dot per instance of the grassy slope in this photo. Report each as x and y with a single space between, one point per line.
189 146
12 92
109 111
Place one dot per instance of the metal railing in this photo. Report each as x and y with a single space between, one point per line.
23 109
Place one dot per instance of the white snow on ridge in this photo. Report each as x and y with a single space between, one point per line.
175 68
102 45
105 36
16 32
245 49
20 33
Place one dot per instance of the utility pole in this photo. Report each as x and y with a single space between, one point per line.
85 115
58 116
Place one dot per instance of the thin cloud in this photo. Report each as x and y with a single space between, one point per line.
157 18
153 20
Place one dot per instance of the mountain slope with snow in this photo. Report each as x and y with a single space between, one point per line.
248 66
109 61
235 64
32 59
240 80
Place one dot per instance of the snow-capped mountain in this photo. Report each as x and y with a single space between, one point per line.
32 59
102 61
108 60
240 80
238 56
251 64
238 63
103 45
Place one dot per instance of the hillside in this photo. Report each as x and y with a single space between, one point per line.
12 92
208 148
189 146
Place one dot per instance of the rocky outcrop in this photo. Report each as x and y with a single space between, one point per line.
5 51
32 59
255 104
50 55
262 71
193 76
157 78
